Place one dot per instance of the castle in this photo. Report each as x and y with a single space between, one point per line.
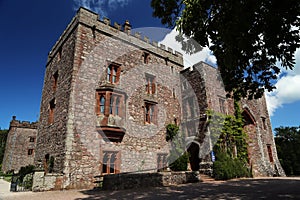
20 145
108 96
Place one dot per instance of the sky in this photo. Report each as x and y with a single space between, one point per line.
30 28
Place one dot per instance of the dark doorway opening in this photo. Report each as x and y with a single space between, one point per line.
193 150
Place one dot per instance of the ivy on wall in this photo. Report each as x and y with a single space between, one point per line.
230 147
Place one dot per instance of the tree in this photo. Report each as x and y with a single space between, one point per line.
3 137
287 141
248 37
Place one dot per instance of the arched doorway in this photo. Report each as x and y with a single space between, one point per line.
193 151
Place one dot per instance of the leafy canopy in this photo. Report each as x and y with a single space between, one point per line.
287 141
248 37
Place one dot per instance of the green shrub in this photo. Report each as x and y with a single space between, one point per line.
225 168
25 170
181 163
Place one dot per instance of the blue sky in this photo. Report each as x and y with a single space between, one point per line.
30 28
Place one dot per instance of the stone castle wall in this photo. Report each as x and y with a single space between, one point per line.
260 137
80 58
20 145
72 132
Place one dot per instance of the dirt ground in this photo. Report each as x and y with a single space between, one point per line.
268 188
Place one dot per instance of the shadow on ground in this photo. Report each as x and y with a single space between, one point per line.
236 189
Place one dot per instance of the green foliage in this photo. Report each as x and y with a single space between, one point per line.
181 163
230 141
225 167
247 37
3 138
178 157
172 131
25 170
287 141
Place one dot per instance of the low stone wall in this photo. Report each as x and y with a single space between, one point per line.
140 180
46 182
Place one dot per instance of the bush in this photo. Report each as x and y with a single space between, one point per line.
25 170
181 163
227 168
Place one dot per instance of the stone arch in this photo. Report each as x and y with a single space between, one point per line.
194 152
248 117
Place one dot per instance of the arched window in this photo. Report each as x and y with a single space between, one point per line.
102 104
248 117
114 75
108 73
117 108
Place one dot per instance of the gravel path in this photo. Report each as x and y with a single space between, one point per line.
274 188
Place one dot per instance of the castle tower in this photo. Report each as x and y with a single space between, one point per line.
20 145
107 98
203 88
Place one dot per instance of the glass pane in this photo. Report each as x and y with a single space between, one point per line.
104 168
112 168
117 106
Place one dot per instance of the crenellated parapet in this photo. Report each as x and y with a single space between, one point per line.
118 31
22 124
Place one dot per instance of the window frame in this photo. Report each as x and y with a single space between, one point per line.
30 152
52 105
106 164
222 103
110 106
150 112
270 153
31 139
150 84
54 81
113 72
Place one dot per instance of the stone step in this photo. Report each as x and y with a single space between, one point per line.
205 178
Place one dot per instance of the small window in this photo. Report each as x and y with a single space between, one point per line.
222 105
113 103
113 73
161 161
150 113
146 58
54 81
102 104
110 162
173 93
263 119
59 54
150 84
269 148
30 152
31 139
51 111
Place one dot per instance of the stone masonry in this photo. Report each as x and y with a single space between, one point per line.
209 94
20 145
78 131
108 95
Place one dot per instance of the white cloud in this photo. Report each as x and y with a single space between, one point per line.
204 55
287 88
101 7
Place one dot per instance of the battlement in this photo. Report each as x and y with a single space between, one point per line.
22 124
122 32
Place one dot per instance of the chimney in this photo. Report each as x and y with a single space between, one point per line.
127 27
